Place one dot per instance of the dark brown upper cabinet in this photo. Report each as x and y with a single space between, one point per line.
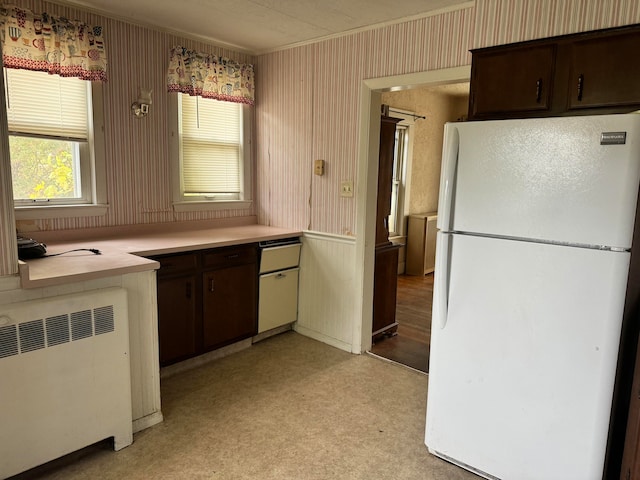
512 80
579 74
605 72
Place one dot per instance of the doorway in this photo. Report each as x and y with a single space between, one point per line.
412 87
424 111
410 343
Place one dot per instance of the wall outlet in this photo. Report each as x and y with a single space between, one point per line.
346 188
318 167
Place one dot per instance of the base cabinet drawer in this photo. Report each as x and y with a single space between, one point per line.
278 304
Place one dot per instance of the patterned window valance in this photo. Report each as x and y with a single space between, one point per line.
56 45
210 76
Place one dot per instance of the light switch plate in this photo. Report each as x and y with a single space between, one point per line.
346 188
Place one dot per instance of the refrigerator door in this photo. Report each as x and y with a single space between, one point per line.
523 356
547 179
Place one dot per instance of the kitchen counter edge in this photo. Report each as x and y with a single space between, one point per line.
123 254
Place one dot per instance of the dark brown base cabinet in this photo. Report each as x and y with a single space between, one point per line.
229 305
177 314
206 299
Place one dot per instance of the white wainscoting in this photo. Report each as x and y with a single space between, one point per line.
145 360
326 302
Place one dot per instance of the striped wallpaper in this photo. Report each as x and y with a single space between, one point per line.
319 84
507 21
137 150
335 69
8 254
307 101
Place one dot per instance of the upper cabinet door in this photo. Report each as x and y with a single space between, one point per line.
604 72
513 80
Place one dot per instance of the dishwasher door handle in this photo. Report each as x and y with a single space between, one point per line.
281 275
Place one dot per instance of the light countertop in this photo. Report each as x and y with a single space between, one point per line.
124 252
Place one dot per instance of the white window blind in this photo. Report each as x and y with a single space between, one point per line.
46 105
211 134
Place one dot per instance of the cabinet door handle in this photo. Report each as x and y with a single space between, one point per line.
188 292
580 86
211 285
539 90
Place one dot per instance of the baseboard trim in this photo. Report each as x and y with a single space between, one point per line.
147 421
334 342
270 333
190 363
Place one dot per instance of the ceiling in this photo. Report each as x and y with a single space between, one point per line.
257 26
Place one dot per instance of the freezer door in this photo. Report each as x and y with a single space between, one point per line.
545 178
523 356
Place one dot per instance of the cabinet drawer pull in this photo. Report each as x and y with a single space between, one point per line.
539 90
231 257
211 285
580 86
281 275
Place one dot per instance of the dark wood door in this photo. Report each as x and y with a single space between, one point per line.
604 72
512 80
177 313
385 286
229 305
385 177
631 459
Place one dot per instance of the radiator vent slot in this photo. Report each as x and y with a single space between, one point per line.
104 319
55 330
8 341
81 326
31 335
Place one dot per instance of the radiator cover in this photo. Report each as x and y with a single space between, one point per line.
64 375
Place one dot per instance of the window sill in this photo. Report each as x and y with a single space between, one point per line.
60 211
211 205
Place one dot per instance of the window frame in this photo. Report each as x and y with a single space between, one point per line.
92 171
402 203
182 203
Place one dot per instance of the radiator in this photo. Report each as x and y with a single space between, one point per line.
64 377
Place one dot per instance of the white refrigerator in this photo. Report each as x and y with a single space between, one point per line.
535 227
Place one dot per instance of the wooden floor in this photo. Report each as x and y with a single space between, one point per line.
413 314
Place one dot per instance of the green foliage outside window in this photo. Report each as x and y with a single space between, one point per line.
42 168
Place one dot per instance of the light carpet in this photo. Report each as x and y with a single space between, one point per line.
287 408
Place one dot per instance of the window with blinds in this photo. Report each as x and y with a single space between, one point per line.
49 137
211 137
399 161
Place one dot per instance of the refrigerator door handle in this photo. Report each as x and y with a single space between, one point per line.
441 280
450 148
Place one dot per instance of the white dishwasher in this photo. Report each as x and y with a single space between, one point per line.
278 294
